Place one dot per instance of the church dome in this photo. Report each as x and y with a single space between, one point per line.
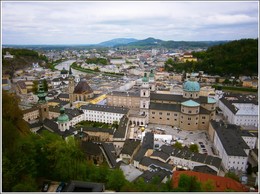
64 71
63 118
145 78
191 86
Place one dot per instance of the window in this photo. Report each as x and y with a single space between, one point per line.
189 111
189 118
175 119
153 117
168 114
168 119
203 122
160 113
160 117
203 117
153 113
188 123
175 114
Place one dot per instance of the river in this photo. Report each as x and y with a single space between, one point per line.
66 65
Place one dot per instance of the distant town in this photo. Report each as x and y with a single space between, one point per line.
136 111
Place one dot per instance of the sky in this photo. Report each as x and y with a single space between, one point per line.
86 22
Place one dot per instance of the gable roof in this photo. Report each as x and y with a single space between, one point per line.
130 146
221 184
83 87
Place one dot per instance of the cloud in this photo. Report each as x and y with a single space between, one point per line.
94 22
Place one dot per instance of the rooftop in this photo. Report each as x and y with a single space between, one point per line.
221 184
105 108
190 103
231 138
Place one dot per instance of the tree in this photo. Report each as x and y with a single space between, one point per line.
116 180
177 145
189 183
194 148
232 175
208 186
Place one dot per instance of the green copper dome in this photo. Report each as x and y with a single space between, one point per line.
151 74
63 71
145 78
191 86
63 118
41 93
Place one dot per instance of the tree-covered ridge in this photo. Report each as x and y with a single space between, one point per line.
234 58
22 59
98 61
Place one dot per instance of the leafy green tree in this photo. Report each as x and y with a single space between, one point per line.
177 145
194 148
116 180
189 183
232 175
208 186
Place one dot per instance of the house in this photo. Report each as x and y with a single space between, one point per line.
98 134
231 144
129 150
160 174
240 109
219 184
92 151
148 163
103 114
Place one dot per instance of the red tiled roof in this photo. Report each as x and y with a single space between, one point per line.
222 184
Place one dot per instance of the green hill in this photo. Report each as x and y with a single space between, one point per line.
22 59
239 57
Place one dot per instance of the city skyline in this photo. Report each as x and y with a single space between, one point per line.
95 22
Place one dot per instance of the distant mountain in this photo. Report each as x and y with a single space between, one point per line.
117 41
156 43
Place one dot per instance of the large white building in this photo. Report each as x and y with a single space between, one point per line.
103 114
232 144
240 110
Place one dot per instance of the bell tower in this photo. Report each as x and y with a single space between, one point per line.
42 102
145 97
71 86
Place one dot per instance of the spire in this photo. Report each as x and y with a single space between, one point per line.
41 93
70 72
145 78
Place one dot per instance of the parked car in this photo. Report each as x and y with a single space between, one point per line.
201 143
60 187
45 186
202 146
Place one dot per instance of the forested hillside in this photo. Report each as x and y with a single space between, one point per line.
234 58
22 59
238 57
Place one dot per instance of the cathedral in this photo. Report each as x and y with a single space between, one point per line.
189 111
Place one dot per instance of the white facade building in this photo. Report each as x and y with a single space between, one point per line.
103 114
231 144
240 112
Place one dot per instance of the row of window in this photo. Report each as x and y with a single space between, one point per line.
168 114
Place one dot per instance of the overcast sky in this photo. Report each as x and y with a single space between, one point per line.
95 22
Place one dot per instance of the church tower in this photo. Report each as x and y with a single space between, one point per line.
71 86
63 120
145 97
152 81
42 102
